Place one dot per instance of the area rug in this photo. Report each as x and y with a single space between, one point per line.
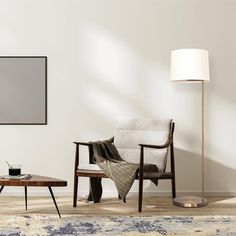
27 225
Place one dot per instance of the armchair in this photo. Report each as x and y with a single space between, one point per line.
138 141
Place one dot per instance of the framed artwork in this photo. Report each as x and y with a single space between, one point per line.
23 90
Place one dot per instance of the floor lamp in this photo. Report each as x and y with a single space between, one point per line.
192 65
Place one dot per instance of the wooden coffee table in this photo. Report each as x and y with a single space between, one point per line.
35 181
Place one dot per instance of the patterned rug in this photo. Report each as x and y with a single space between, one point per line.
118 225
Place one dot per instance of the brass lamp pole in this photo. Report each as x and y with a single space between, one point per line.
192 65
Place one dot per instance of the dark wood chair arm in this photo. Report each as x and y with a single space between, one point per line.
82 143
89 145
157 146
90 149
142 146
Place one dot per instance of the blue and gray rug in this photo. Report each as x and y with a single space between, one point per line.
27 225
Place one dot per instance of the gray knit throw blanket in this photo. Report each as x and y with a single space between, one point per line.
121 172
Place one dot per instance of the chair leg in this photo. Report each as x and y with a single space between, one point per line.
140 196
75 191
173 188
26 196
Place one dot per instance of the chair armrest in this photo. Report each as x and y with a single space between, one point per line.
167 144
142 146
89 145
82 143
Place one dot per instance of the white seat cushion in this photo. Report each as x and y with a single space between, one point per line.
129 133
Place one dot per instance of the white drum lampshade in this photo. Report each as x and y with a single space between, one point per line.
189 64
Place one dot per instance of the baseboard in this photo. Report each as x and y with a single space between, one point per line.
114 194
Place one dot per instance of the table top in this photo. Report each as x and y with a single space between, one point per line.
35 180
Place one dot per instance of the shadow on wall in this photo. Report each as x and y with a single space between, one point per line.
188 174
114 80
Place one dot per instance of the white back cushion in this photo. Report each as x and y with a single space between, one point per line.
129 133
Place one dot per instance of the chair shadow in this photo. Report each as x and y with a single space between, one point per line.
188 176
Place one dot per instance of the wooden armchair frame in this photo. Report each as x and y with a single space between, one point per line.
97 175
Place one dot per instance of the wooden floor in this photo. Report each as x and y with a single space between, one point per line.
112 206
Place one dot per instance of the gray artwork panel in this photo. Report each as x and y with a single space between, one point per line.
22 90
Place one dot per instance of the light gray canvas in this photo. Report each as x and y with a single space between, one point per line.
22 90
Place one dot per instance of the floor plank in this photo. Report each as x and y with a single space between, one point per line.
112 206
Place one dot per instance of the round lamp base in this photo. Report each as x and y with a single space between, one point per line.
190 201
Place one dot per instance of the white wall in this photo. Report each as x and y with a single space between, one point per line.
111 58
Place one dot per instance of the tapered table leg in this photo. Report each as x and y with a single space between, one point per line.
1 189
26 198
54 200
